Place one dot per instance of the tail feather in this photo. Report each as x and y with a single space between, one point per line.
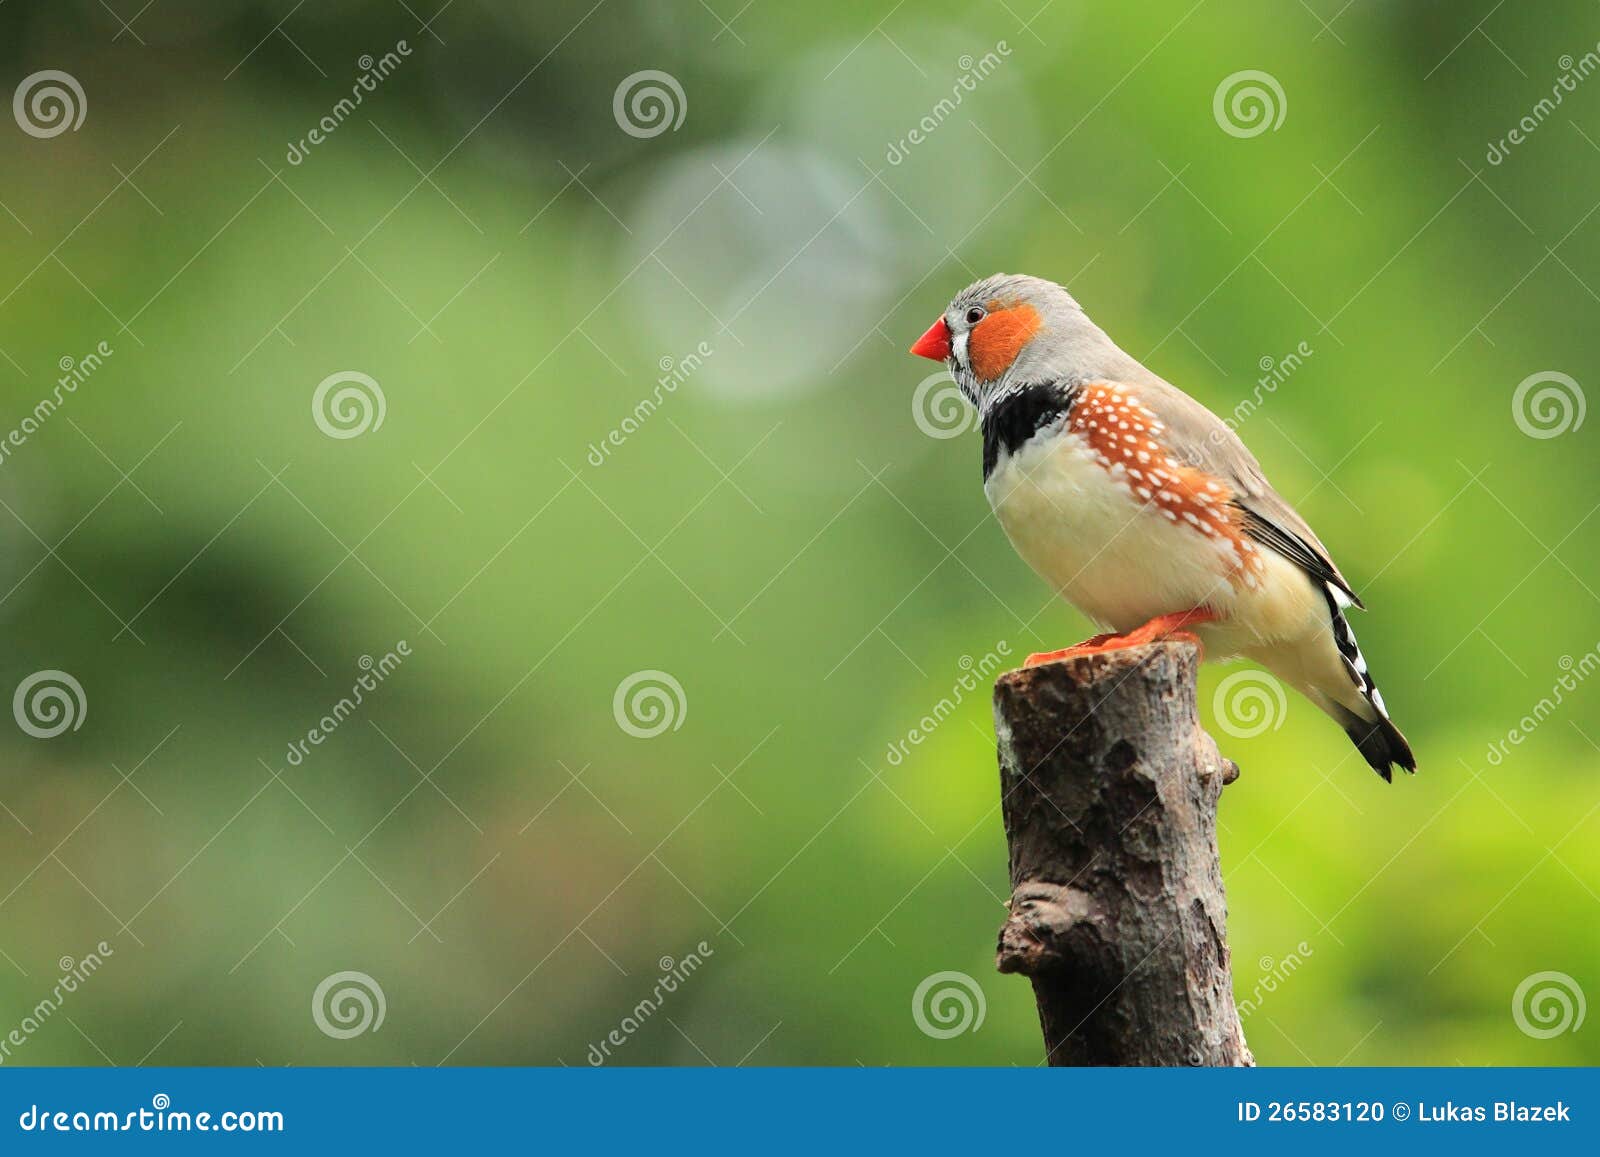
1380 744
1377 738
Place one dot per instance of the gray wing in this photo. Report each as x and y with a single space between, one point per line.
1198 438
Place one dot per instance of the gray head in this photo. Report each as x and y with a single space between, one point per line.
1011 330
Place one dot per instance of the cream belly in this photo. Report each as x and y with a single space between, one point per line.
1122 561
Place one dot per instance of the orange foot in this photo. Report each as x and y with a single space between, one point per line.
1162 627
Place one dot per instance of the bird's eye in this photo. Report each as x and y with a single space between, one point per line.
974 315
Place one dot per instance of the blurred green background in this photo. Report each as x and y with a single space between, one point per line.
483 238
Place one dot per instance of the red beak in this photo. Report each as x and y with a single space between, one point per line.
935 343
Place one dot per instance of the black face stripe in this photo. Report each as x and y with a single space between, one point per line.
1017 417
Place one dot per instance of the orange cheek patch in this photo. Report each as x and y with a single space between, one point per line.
996 341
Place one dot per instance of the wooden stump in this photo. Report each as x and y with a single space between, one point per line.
1109 793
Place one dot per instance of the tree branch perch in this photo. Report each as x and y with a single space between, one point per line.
1109 793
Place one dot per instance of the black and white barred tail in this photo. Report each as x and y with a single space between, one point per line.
1378 739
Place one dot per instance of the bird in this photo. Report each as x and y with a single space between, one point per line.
1144 509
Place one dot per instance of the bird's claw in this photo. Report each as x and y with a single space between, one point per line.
1162 628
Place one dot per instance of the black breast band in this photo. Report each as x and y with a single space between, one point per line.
1022 413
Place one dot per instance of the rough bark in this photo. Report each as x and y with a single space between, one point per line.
1109 793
